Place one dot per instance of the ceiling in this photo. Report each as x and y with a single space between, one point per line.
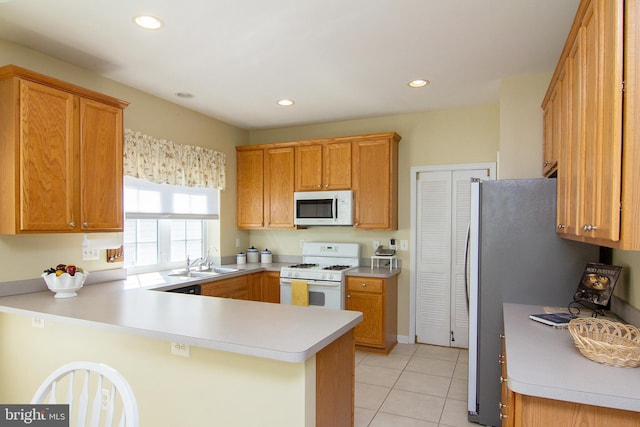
337 59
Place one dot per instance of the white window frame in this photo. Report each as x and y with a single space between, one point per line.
166 212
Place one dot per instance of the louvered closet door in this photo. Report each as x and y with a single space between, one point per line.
433 287
443 203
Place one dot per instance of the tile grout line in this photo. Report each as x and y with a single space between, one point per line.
402 371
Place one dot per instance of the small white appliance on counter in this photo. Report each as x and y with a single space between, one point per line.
323 267
323 207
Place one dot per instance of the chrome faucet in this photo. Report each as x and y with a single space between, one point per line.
197 261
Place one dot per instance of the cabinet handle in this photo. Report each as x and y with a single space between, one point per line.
501 336
501 406
560 226
589 227
319 185
501 359
85 224
326 186
72 224
547 163
502 379
348 295
503 416
364 285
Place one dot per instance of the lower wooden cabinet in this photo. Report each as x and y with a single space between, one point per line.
377 299
234 287
264 286
271 287
519 410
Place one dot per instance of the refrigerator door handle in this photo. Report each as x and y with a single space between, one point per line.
473 250
466 266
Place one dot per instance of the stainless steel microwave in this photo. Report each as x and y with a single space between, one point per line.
323 207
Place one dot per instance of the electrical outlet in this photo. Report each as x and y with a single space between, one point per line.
404 245
89 254
179 349
237 242
392 244
37 322
105 398
376 243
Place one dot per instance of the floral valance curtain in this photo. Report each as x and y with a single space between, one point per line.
165 162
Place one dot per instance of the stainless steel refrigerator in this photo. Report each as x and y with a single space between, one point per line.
514 256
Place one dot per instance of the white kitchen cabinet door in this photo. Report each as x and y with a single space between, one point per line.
443 205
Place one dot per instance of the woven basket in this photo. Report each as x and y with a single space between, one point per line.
604 341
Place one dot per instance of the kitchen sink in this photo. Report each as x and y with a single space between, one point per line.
223 270
204 273
214 271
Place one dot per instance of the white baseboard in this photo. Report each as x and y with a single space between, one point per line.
404 339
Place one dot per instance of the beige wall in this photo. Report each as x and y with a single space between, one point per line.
234 390
29 255
521 126
465 135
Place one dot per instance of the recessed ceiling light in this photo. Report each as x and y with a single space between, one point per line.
418 83
286 102
148 22
184 95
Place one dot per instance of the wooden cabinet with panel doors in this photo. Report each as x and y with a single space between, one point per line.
60 155
265 187
599 147
264 287
323 165
552 117
377 299
375 181
268 175
517 410
278 187
250 187
233 287
271 287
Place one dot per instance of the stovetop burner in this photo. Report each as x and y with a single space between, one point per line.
337 267
307 265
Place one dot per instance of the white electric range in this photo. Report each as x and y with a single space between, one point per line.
323 267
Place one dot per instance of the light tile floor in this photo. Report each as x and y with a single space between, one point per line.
414 386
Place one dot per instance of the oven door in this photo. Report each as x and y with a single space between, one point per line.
322 293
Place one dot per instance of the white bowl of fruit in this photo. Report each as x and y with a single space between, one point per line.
64 280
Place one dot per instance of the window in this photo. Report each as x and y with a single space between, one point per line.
165 224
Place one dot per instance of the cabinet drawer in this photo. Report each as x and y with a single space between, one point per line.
365 284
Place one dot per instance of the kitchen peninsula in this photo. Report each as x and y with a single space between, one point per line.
249 363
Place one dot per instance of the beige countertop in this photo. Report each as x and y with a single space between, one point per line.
543 361
134 306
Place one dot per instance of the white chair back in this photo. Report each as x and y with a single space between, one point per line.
108 391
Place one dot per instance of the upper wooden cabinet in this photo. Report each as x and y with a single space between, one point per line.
552 131
278 187
250 183
375 182
595 89
60 156
265 186
323 166
268 175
